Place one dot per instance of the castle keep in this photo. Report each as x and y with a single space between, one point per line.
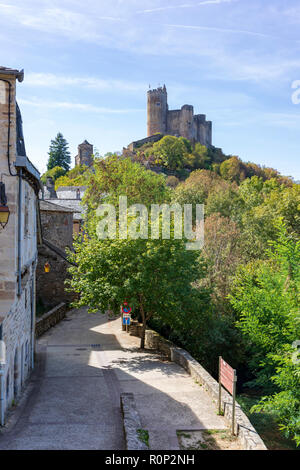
179 122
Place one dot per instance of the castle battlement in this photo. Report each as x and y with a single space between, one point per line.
158 90
178 122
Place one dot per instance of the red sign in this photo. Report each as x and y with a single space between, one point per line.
125 308
227 376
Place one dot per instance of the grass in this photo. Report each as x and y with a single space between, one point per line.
143 436
183 434
210 439
265 424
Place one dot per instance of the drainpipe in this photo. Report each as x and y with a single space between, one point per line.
19 232
32 323
2 363
1 396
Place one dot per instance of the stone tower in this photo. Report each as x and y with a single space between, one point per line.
178 122
157 111
85 152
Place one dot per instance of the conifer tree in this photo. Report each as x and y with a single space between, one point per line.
59 154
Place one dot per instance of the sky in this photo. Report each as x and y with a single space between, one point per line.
88 66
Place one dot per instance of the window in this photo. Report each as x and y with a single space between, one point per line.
158 103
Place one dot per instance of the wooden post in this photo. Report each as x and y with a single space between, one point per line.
220 386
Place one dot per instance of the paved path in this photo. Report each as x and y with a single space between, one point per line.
83 364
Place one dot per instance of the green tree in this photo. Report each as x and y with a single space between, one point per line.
154 276
170 151
285 404
78 176
265 295
233 169
54 173
115 176
59 154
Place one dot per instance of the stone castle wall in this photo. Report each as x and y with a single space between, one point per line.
179 122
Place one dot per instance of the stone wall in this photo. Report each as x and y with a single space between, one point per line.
17 334
49 319
85 154
138 143
131 422
17 309
178 122
57 228
246 433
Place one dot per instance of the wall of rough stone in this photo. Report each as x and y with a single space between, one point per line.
17 335
58 229
138 143
131 422
50 319
178 122
245 431
17 313
157 108
8 235
84 156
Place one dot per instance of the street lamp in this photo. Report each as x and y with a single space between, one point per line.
47 267
4 210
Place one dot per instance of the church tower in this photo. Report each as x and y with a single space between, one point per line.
85 154
157 111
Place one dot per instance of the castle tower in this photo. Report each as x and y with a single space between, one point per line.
186 128
157 110
85 152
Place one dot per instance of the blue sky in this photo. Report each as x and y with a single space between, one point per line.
89 64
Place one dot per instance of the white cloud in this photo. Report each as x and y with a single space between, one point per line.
187 5
220 30
75 106
54 81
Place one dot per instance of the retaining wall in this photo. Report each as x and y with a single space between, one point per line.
131 422
245 431
51 318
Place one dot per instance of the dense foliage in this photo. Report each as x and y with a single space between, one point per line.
238 297
54 173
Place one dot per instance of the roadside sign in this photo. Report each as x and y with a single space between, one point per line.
125 308
126 319
227 378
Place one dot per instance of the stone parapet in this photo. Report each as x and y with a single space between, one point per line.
50 319
246 433
131 422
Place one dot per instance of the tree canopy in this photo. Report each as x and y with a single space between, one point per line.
59 154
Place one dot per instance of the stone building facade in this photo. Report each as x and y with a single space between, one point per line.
18 246
179 122
85 154
69 197
57 229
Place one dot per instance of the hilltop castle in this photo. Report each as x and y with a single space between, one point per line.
178 122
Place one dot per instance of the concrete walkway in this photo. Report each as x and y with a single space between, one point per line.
83 364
